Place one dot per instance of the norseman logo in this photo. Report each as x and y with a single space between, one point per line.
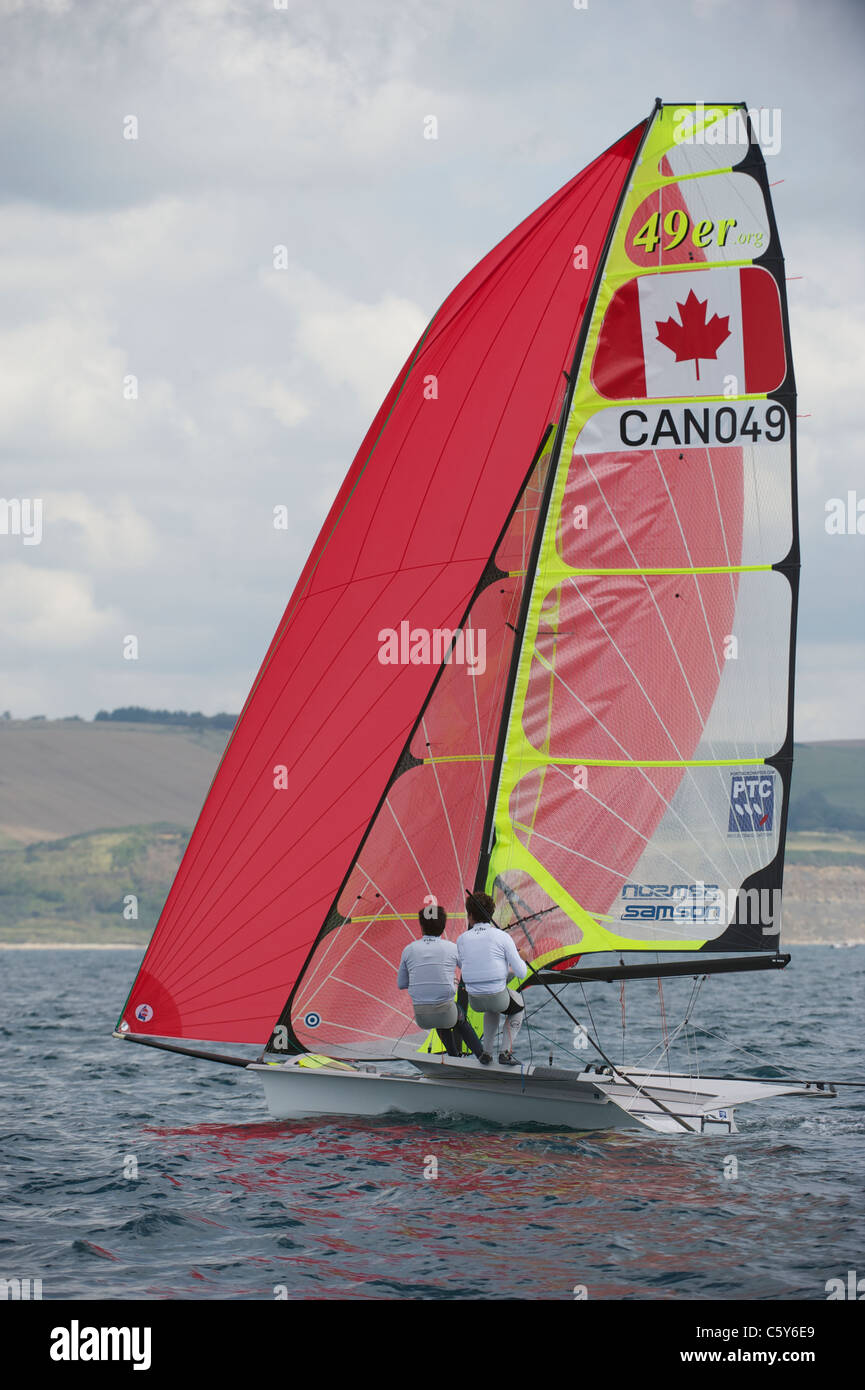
76 1343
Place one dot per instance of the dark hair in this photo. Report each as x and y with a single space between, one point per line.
433 919
480 907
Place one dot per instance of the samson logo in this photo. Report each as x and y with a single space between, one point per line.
752 804
702 903
686 902
77 1343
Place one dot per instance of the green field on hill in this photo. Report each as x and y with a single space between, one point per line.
78 888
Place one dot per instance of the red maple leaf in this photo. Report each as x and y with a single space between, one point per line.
693 337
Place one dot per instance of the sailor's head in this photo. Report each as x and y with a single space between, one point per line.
479 908
433 919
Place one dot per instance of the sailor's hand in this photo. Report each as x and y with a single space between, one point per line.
524 954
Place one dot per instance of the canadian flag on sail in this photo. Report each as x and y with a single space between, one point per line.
665 336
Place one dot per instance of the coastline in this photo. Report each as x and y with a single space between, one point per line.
72 946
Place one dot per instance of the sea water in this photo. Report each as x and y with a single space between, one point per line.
130 1173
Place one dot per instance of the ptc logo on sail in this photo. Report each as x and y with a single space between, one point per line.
418 646
752 804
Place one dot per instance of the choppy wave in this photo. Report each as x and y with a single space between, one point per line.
135 1174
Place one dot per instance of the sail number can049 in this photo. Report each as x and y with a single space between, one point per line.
709 423
676 426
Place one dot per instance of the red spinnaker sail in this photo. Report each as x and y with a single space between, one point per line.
408 537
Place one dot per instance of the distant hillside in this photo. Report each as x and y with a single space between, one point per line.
136 714
93 812
67 777
829 787
108 885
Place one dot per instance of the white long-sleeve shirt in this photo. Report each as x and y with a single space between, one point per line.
427 969
488 958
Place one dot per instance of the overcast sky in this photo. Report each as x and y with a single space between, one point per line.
304 126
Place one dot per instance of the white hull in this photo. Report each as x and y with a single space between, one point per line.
294 1092
507 1096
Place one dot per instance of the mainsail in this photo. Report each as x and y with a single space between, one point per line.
544 643
645 756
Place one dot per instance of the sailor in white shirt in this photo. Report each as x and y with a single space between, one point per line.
488 958
427 969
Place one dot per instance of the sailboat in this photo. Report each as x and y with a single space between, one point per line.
543 648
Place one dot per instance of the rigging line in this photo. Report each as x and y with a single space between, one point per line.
588 1007
695 989
596 1045
745 1051
653 1100
665 1036
660 1049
